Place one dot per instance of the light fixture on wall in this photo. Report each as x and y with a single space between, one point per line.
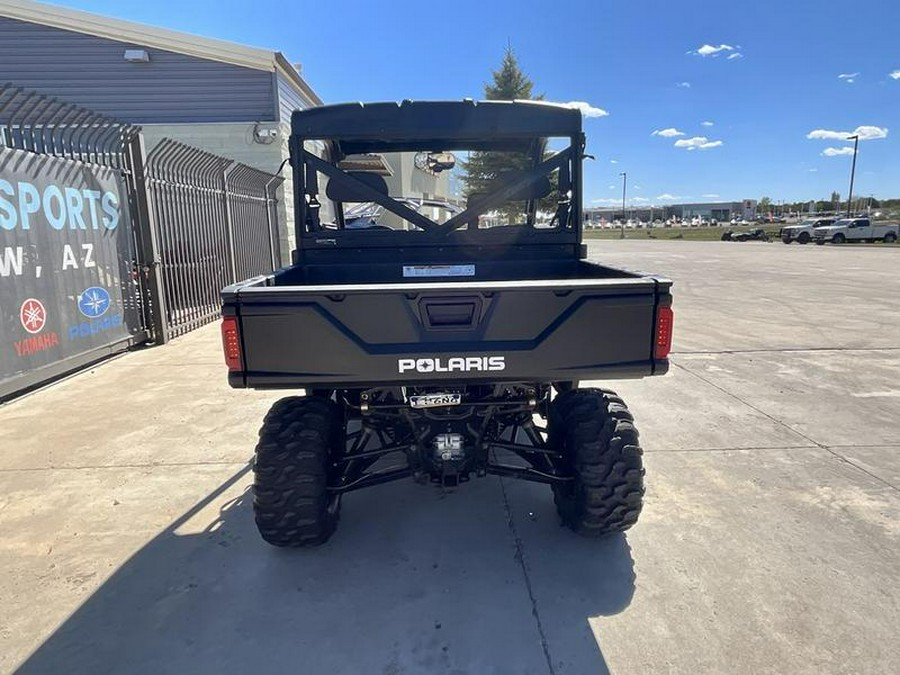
264 135
137 56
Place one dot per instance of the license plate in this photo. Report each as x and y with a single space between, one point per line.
435 400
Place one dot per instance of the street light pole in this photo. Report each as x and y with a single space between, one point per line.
855 139
622 222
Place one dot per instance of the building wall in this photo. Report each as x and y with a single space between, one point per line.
212 105
289 99
92 72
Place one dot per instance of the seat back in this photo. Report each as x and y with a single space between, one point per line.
340 192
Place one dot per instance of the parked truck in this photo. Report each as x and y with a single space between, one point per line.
804 231
442 351
856 230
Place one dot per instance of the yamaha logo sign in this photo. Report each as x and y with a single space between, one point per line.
453 364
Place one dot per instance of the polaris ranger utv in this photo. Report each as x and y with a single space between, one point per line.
442 346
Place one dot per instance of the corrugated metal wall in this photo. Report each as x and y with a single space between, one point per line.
92 72
289 99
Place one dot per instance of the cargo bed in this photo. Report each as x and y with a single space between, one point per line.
422 324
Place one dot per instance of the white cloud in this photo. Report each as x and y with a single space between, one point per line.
709 50
671 132
635 187
813 170
613 161
716 51
697 143
706 124
849 78
895 75
613 187
711 195
667 197
587 109
683 85
610 201
865 133
837 152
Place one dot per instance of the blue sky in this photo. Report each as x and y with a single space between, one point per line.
766 75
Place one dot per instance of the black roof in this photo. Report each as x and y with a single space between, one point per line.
436 125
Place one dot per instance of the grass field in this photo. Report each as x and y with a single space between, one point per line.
686 233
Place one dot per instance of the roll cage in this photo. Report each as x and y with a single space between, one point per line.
515 126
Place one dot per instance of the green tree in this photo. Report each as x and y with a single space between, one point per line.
764 205
509 82
482 168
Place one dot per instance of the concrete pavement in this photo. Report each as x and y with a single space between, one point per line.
768 543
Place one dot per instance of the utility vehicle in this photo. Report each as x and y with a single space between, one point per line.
441 348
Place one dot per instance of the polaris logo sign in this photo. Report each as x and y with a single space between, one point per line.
453 364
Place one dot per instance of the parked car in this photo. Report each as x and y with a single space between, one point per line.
856 229
802 233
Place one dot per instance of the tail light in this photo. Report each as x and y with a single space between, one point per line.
663 342
231 342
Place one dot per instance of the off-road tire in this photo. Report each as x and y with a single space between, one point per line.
889 238
595 433
804 238
838 239
291 504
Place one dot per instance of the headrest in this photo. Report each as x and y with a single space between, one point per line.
348 193
537 189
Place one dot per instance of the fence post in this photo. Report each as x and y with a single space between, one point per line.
147 241
274 242
229 223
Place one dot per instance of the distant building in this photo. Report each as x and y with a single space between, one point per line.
226 98
718 211
721 212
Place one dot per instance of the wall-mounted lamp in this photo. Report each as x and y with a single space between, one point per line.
137 56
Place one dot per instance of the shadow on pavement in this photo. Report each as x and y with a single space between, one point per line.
415 580
572 578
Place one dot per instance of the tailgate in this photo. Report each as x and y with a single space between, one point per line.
358 335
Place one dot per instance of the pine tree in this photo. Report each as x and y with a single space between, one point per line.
509 82
482 168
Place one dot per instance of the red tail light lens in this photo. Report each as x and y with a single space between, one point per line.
663 342
231 343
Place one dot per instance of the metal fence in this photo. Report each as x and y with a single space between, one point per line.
45 125
216 224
